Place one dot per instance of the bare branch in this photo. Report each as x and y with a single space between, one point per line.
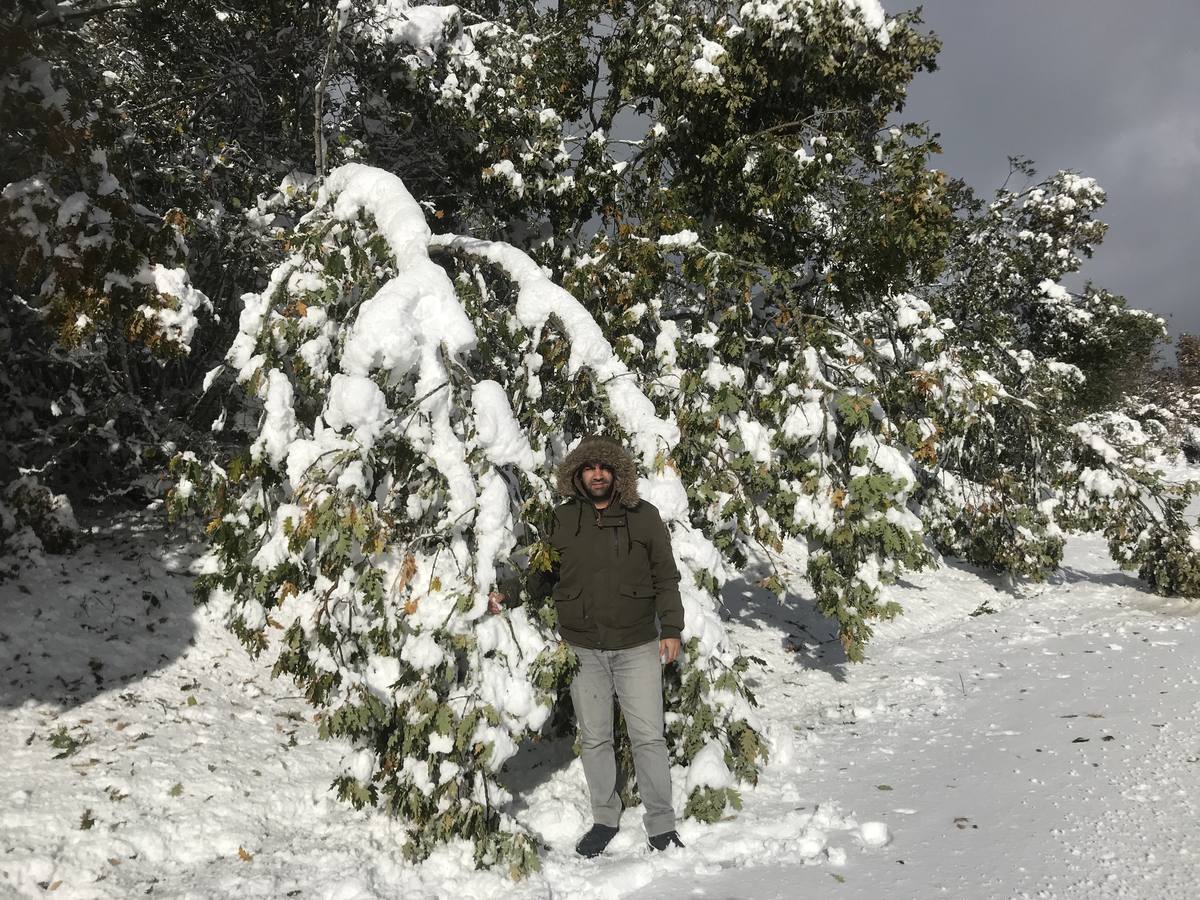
336 19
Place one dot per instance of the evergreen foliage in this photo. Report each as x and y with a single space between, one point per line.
142 147
96 300
859 353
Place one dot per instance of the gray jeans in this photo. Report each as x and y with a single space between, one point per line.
635 676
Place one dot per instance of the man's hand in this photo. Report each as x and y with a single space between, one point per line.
668 650
495 602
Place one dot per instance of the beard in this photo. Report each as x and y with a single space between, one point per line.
600 492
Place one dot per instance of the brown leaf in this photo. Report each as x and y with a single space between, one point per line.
407 571
243 855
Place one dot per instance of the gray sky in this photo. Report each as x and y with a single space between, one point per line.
1110 88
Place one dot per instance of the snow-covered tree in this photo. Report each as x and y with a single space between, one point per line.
863 359
1037 457
141 146
1172 396
728 208
94 292
417 393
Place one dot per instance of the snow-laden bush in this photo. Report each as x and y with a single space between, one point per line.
131 154
727 243
1171 397
417 393
33 519
77 245
1137 495
1038 459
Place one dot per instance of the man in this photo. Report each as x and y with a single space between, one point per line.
616 591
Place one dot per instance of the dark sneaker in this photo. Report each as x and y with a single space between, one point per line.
665 840
594 842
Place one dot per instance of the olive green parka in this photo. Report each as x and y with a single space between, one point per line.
616 574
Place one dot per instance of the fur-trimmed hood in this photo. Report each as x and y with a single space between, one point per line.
601 449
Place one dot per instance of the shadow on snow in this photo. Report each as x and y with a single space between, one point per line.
80 624
811 638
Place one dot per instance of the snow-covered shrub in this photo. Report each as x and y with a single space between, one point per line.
1137 495
1181 415
714 264
982 497
33 519
1171 397
1032 463
131 157
416 394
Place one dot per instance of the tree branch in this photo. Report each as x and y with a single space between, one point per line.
336 20
63 14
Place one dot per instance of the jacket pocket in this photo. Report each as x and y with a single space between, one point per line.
569 606
641 590
632 606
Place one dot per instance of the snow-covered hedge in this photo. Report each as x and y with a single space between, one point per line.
1137 494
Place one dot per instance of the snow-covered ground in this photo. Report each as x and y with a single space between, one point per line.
1049 748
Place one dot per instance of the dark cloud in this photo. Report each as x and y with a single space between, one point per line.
1104 87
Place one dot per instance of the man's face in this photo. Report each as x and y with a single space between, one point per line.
597 480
